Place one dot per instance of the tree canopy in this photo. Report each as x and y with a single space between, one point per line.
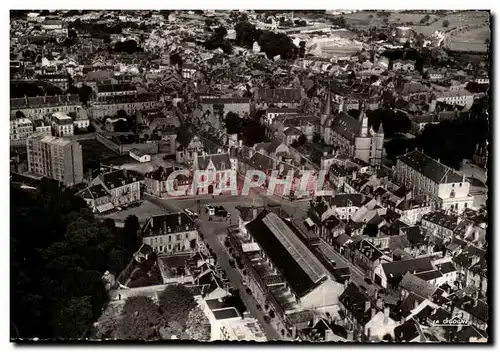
58 255
175 303
140 319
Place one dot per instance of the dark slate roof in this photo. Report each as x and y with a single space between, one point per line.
287 265
414 283
347 200
160 174
466 333
414 234
261 162
168 223
474 307
430 168
221 161
279 95
93 192
404 308
346 125
368 250
354 300
119 178
442 219
111 88
407 331
446 268
227 313
184 137
396 270
430 275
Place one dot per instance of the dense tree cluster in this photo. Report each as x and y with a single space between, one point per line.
450 141
251 130
58 254
217 40
393 121
27 89
127 46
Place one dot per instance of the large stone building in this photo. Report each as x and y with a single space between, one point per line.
171 233
351 135
434 180
20 129
55 158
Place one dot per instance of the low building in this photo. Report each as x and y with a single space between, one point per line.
156 181
388 275
440 224
37 107
173 233
140 156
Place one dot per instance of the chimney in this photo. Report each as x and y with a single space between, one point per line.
380 303
415 304
254 211
368 332
325 153
179 219
350 335
475 301
386 315
367 306
374 311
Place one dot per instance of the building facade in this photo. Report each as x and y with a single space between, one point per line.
55 158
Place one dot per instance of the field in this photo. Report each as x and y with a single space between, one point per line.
370 19
456 20
469 39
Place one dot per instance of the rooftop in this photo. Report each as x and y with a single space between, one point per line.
430 168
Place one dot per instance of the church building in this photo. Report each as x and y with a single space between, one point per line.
350 135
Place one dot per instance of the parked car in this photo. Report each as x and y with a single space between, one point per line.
232 263
190 213
209 209
244 283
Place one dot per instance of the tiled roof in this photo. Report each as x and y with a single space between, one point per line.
415 284
354 300
396 270
442 219
346 125
119 178
168 223
430 168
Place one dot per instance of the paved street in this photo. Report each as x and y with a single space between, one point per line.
210 230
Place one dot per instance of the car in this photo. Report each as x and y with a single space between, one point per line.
209 209
244 283
231 263
259 307
368 281
190 213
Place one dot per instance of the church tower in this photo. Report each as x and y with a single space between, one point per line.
378 146
327 106
362 142
363 119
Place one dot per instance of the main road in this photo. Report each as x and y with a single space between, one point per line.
210 231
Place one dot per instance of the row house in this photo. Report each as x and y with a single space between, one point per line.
363 320
220 107
273 112
173 233
279 97
462 98
98 199
109 90
403 65
472 310
440 223
110 105
188 147
307 125
366 256
434 180
37 107
58 80
412 210
389 274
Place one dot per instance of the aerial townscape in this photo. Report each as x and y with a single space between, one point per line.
250 175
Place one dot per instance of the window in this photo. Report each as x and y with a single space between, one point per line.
178 237
460 185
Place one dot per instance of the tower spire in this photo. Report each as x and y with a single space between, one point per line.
327 109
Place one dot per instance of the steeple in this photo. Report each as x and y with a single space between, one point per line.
380 128
327 109
363 119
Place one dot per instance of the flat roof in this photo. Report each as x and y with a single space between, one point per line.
225 313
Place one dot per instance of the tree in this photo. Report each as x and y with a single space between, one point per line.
140 320
302 139
274 44
302 49
72 320
246 34
446 23
198 325
120 126
84 94
175 303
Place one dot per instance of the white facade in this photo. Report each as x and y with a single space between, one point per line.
20 129
62 124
